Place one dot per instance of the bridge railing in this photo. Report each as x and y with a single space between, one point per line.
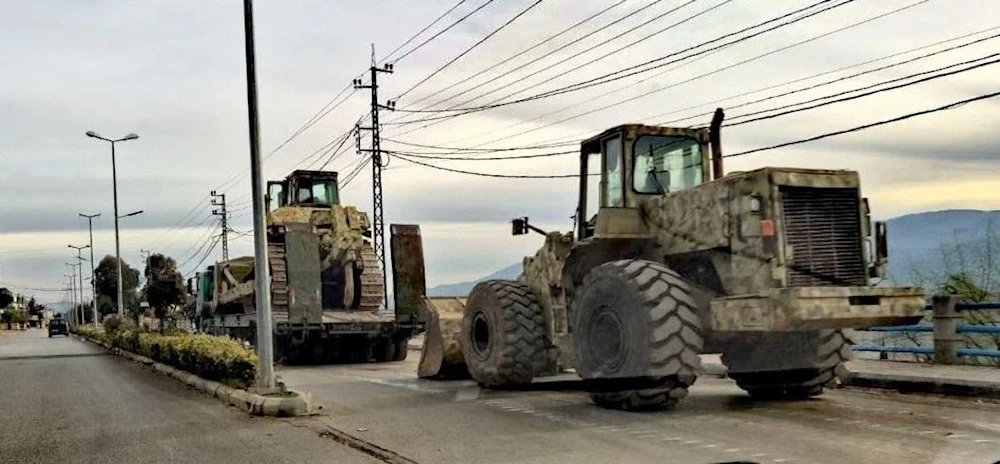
949 333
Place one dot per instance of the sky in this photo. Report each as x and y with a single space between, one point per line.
174 73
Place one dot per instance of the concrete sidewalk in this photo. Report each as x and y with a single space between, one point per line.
906 377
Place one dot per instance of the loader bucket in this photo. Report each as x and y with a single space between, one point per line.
441 357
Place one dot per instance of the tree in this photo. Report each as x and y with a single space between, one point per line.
164 285
106 275
972 274
6 298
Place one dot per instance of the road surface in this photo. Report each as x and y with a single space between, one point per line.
457 422
63 400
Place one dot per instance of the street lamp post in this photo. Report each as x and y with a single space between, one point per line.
114 186
80 259
93 279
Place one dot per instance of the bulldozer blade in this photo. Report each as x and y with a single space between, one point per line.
441 357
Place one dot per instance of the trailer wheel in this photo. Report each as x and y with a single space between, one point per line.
503 331
637 335
825 369
401 348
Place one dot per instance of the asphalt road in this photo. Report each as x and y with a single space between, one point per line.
457 422
63 400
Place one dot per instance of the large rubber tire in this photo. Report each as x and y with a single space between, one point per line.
503 334
401 348
833 349
637 334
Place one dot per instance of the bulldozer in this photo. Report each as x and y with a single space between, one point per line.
327 286
669 259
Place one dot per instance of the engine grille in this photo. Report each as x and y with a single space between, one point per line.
823 228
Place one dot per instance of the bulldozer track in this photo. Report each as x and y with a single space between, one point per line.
279 277
372 280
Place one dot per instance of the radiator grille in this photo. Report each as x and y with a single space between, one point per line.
823 228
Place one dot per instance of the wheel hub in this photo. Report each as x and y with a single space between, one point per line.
482 335
606 339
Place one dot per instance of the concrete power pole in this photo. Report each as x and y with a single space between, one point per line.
219 199
79 261
265 347
378 220
93 278
74 315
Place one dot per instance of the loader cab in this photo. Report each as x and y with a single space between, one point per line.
625 166
313 189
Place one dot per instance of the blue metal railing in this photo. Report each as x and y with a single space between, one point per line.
929 328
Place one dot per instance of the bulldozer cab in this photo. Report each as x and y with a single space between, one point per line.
626 165
304 188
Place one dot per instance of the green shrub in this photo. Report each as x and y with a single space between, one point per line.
207 356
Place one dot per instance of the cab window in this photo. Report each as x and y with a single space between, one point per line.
614 174
317 193
666 164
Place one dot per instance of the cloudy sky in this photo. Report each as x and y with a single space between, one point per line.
173 72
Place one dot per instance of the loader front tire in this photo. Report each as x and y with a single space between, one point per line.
637 335
503 333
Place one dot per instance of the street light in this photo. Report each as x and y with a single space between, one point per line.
114 184
80 260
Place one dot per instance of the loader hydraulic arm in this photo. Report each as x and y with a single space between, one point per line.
521 227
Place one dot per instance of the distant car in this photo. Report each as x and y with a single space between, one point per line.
58 327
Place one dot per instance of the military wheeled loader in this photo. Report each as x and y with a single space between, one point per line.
770 267
327 287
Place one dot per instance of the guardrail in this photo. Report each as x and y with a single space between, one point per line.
949 342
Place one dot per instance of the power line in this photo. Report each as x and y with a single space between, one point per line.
868 126
467 50
611 77
442 31
480 150
536 59
733 65
512 57
493 158
414 36
865 94
843 68
486 174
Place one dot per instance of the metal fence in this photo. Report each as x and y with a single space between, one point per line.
949 333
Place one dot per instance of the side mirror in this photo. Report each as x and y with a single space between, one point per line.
881 258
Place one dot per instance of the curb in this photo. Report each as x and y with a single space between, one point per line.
920 384
258 405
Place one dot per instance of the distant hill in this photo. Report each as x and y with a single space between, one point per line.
511 272
917 243
920 243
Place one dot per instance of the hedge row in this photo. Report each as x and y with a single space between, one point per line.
210 357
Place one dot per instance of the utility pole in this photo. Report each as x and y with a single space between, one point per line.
72 292
378 220
219 199
93 279
265 347
79 262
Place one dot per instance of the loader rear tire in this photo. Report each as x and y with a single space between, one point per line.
503 333
637 335
833 349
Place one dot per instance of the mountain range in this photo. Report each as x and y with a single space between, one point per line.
922 247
